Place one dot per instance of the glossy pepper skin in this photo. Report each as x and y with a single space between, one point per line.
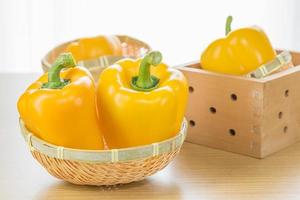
137 108
239 53
94 47
63 112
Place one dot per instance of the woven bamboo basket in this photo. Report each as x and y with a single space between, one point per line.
104 167
131 48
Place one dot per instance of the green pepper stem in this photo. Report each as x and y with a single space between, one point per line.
145 81
64 60
228 25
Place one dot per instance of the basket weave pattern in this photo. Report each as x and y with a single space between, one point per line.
103 173
104 167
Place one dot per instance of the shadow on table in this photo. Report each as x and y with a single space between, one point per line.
145 189
226 175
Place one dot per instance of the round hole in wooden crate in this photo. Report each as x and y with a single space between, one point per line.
232 132
233 97
213 110
191 89
286 93
280 115
285 129
192 123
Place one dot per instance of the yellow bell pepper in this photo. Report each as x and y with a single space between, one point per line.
240 52
61 108
94 47
138 104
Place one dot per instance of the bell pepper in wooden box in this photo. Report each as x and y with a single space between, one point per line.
241 114
250 116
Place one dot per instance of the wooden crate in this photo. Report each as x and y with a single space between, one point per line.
254 117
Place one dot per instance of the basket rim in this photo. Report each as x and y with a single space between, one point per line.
45 63
110 155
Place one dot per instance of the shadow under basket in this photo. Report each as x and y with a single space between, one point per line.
104 167
254 117
131 48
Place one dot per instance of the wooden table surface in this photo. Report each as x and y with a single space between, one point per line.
197 173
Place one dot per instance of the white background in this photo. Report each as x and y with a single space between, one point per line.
179 29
